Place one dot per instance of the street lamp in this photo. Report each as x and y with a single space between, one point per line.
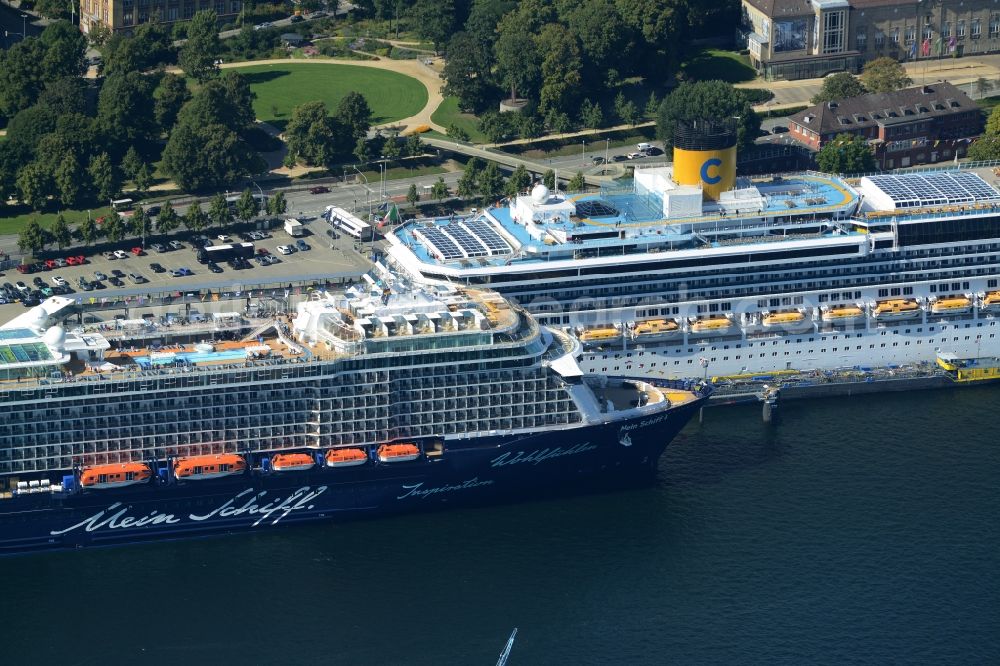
607 145
583 152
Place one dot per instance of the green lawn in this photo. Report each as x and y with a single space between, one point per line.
987 104
14 218
715 64
281 88
397 173
448 114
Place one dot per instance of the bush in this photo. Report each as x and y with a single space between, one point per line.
757 95
261 141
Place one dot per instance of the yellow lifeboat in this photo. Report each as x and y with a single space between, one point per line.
897 308
398 452
201 468
711 325
655 329
842 314
292 462
116 475
600 335
951 305
783 319
991 302
346 457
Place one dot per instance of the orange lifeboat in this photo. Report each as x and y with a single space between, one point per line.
116 475
292 462
198 468
346 457
398 452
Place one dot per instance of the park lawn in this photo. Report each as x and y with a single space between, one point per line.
716 64
447 114
400 172
280 88
15 218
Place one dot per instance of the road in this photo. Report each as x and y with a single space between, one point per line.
12 26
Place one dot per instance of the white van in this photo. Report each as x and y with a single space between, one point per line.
643 147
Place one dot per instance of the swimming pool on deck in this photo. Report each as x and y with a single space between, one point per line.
192 357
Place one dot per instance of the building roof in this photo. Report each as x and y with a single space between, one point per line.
782 8
901 106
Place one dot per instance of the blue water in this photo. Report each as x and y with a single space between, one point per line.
858 531
196 357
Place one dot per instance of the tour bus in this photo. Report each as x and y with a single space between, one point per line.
122 204
350 224
218 253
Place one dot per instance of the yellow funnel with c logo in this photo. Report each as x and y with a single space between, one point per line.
713 170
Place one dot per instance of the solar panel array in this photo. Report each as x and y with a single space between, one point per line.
24 353
595 208
934 189
16 334
464 239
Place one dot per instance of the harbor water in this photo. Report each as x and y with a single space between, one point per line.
857 530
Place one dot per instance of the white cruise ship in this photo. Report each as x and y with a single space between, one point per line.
802 272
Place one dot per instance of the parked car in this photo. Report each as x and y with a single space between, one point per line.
301 245
61 263
116 282
135 278
214 267
618 158
286 249
319 189
24 268
75 261
138 251
39 266
158 247
117 272
156 268
271 259
263 250
153 211
100 276
779 129
38 282
295 19
58 280
177 245
636 155
598 160
110 256
223 238
121 254
21 287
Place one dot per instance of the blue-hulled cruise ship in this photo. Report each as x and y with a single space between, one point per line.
803 271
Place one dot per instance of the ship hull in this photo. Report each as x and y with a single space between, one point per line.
475 470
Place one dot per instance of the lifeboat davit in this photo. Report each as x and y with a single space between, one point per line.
898 308
952 305
346 457
711 325
292 462
842 314
651 330
398 452
991 302
116 475
200 468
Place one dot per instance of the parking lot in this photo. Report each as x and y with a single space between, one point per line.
325 257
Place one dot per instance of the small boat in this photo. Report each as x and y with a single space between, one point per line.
951 305
200 468
292 462
600 335
842 314
651 330
785 319
991 302
346 457
398 452
897 308
711 325
117 475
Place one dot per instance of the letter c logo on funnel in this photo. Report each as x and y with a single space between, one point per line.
709 163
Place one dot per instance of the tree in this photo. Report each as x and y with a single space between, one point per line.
457 133
529 125
468 70
277 204
313 136
208 157
168 220
247 207
842 85
69 181
113 228
591 114
846 153
983 86
439 190
195 219
630 113
468 184
652 105
435 20
354 113
884 75
412 196
32 237
414 146
103 175
67 94
34 185
562 69
706 100
198 55
139 224
143 178
60 232
123 110
169 97
549 179
391 150
517 63
361 151
518 181
491 185
219 212
577 183
131 163
87 230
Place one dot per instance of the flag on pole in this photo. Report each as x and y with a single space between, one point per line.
392 217
939 45
926 48
951 44
913 50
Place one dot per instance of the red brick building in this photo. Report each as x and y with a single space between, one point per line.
917 125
